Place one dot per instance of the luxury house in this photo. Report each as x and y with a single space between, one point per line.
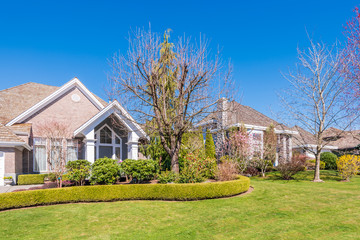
233 114
97 128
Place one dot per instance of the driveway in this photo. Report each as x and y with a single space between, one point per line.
4 189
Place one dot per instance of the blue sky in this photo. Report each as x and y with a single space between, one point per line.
51 42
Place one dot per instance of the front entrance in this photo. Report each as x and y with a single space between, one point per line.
2 168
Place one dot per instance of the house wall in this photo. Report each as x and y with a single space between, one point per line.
64 110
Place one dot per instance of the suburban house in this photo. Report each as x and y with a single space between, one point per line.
97 128
305 143
233 114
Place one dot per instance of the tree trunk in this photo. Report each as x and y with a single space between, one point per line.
175 163
317 169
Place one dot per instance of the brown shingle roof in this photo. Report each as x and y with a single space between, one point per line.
16 100
21 128
238 113
343 140
303 138
6 135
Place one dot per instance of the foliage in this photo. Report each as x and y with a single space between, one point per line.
329 159
348 166
105 171
29 179
288 169
197 168
251 171
180 192
167 177
140 170
239 147
154 150
310 164
78 171
191 142
270 142
209 145
227 171
8 178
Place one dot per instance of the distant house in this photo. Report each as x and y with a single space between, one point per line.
305 143
233 114
98 128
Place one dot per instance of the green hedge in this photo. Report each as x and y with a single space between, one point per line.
29 179
98 193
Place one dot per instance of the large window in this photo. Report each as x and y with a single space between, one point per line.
108 144
42 147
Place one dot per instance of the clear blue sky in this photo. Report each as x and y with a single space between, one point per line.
50 42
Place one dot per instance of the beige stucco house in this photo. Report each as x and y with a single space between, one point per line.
98 128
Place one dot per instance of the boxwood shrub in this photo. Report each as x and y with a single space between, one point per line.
98 193
29 179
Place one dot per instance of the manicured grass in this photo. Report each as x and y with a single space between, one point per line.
276 209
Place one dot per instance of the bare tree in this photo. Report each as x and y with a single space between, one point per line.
56 135
170 85
315 99
267 154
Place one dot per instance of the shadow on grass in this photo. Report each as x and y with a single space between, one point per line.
326 175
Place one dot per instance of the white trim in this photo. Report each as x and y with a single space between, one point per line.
15 144
110 109
260 128
314 146
72 83
112 144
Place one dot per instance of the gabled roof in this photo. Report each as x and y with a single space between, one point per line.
112 108
305 138
6 135
19 102
343 139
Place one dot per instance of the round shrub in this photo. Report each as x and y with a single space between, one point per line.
180 192
140 170
348 166
105 171
167 177
78 171
329 159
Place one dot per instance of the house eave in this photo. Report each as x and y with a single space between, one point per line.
15 144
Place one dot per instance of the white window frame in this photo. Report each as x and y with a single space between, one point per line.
113 143
46 152
260 142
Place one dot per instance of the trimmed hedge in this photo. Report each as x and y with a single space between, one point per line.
100 193
29 179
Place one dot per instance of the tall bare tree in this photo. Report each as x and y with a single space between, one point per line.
315 99
170 85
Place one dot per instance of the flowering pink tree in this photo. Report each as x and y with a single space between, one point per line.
351 57
239 147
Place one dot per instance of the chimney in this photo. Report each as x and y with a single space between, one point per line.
222 109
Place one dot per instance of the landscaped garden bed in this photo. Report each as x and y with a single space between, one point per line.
100 193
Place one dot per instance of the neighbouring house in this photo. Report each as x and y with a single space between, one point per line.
232 114
305 143
98 128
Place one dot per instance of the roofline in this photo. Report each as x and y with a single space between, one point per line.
73 82
261 128
15 144
116 104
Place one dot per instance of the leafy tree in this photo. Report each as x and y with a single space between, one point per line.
209 145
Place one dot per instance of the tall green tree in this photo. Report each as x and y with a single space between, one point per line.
209 145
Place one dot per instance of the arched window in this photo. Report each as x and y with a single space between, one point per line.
108 144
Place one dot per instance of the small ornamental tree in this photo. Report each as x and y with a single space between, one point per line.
78 171
209 145
239 147
268 150
348 166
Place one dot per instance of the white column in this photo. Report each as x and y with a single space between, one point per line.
90 147
133 147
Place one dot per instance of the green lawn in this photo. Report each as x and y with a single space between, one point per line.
276 209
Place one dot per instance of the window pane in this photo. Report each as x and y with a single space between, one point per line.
105 151
39 159
117 153
71 154
117 140
105 135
